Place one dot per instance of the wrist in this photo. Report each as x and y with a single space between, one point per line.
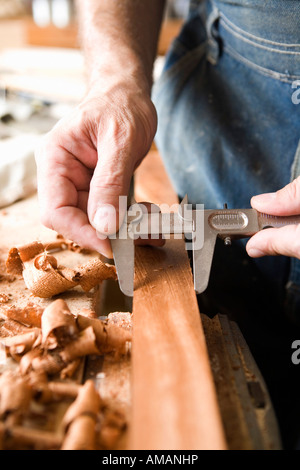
108 72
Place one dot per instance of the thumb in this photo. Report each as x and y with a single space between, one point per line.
286 201
108 193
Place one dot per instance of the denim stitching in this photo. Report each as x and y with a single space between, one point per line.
268 72
254 44
213 49
256 38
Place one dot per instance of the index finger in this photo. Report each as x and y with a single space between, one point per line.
59 200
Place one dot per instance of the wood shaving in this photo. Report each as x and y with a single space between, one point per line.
109 337
47 357
11 328
58 324
88 402
81 434
31 315
69 370
20 344
80 420
84 345
45 278
112 426
15 395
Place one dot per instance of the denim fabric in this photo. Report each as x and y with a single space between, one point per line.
229 129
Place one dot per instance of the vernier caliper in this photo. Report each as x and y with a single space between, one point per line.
199 227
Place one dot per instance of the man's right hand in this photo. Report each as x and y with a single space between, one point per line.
86 162
277 241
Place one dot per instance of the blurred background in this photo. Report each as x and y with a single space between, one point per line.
42 76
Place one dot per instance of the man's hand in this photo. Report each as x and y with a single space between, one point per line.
86 162
280 241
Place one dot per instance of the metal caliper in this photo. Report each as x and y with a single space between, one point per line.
199 227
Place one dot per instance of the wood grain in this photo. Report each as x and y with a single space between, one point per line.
174 403
152 184
173 396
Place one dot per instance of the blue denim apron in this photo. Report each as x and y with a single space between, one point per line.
229 128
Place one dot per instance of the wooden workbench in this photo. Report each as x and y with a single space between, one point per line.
19 225
190 382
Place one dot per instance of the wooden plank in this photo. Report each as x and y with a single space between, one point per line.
174 403
247 424
152 184
173 395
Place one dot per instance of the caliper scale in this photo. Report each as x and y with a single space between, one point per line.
199 227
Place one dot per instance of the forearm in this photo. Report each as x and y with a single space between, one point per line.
119 38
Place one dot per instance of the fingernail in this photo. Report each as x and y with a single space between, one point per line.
105 220
255 252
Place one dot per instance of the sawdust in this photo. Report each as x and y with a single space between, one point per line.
4 298
43 346
42 356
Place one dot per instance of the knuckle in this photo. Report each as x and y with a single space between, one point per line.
119 134
46 220
109 180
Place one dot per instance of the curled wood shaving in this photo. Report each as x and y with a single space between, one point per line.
58 324
32 438
21 343
25 365
64 389
65 244
69 370
109 337
113 424
86 312
80 419
46 354
49 363
15 395
38 381
84 345
81 434
45 278
88 402
47 392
